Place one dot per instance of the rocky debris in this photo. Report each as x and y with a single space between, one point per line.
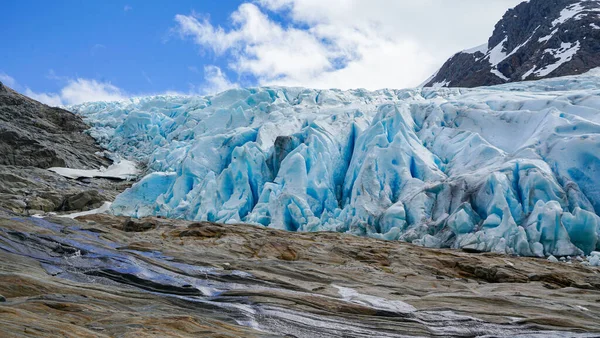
536 39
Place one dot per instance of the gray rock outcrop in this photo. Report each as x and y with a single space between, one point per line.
34 134
535 40
34 137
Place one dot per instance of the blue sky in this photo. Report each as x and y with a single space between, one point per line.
65 52
129 44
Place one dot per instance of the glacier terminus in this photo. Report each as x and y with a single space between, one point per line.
513 168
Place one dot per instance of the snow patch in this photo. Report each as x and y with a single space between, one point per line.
529 72
573 11
564 54
497 54
499 74
479 49
548 37
123 170
101 210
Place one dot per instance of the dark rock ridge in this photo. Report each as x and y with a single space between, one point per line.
535 40
33 137
34 134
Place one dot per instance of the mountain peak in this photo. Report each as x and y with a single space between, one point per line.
535 40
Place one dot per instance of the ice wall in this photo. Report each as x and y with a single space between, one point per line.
511 168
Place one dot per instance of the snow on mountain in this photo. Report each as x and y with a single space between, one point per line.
534 40
512 168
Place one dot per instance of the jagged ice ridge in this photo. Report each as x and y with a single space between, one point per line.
511 168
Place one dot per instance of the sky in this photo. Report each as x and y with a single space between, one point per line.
66 52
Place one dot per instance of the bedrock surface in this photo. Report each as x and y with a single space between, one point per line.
106 276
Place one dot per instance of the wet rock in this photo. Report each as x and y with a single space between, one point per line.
2 299
145 284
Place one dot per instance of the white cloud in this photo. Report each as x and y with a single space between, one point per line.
216 80
127 8
262 47
78 91
50 99
83 90
345 43
7 80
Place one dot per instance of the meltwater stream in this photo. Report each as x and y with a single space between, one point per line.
83 256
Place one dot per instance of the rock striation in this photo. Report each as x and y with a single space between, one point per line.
110 276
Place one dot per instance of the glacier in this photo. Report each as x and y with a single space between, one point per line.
513 168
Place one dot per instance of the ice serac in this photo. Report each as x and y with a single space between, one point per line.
513 168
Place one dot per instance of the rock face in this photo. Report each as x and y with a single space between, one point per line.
29 190
33 137
33 134
534 40
113 276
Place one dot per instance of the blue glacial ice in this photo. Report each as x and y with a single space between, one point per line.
512 168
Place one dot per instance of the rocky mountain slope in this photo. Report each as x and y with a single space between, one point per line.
537 39
34 137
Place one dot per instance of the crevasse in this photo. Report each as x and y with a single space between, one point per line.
512 168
